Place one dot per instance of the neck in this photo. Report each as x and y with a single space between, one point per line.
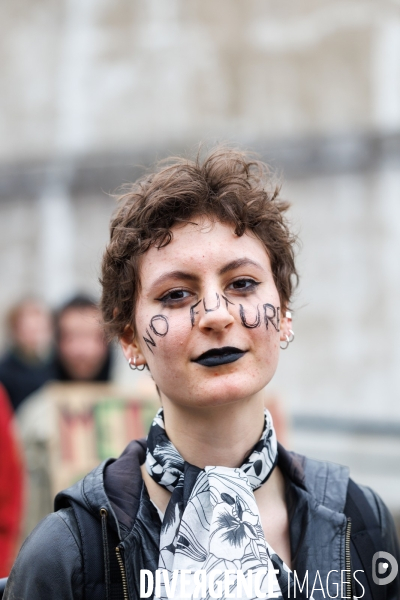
217 436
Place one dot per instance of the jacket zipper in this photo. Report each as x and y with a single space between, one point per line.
103 515
118 551
349 594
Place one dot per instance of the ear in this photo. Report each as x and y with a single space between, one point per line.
286 325
130 346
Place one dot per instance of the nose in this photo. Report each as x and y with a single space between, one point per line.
214 313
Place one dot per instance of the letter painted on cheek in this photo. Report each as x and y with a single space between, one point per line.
149 341
194 312
270 318
162 324
227 301
256 323
212 309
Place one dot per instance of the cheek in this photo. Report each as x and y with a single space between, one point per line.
265 345
261 322
165 339
263 315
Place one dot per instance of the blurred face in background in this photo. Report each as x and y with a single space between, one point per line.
81 345
32 329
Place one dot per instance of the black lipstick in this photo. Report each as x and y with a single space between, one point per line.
219 356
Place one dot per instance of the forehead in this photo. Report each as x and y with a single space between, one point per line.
201 247
29 309
85 318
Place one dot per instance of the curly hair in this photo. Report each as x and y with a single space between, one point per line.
227 186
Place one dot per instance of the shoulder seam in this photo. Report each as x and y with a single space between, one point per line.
68 527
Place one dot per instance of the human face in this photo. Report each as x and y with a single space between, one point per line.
33 329
206 290
81 345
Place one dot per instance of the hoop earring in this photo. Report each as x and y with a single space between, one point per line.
133 366
291 339
287 343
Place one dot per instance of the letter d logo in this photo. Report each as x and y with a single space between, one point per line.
382 567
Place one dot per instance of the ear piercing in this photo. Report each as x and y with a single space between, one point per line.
289 338
133 366
287 342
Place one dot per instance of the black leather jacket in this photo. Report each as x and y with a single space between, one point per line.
50 563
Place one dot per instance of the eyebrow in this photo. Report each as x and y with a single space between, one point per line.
184 275
178 275
240 262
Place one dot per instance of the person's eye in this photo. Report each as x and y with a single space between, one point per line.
246 284
174 296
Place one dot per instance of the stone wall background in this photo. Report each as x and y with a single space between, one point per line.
92 89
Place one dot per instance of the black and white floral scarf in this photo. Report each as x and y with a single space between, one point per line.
212 523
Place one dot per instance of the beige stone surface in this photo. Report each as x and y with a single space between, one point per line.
79 77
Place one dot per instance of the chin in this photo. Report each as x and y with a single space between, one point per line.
220 390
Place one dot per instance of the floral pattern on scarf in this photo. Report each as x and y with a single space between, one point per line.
212 522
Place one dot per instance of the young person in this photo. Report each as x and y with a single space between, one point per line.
81 355
197 282
28 363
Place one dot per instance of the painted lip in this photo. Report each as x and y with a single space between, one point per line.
219 356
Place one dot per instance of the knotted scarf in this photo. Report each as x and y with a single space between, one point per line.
212 524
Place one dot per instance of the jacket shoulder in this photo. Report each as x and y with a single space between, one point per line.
329 483
384 519
49 564
115 485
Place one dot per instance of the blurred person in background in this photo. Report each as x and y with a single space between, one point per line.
11 486
81 356
28 364
81 350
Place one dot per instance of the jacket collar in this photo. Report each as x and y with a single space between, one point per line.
116 485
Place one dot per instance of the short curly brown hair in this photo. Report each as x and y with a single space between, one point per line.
229 186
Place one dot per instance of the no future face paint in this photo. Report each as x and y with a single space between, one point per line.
159 326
